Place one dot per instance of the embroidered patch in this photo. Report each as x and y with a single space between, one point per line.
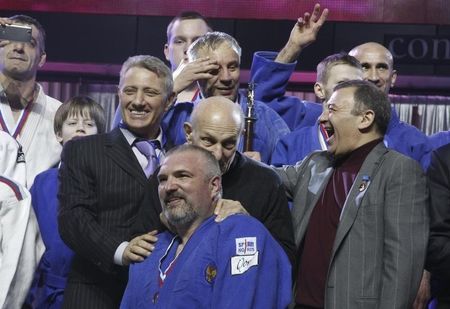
246 246
241 263
210 273
20 156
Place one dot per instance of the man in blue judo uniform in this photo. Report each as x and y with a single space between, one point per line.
271 72
377 63
296 145
202 263
269 126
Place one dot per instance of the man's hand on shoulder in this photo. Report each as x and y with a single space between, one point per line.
225 208
139 248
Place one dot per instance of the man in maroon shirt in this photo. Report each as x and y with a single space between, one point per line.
359 210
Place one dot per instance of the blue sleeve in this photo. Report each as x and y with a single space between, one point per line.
281 152
296 146
271 79
133 289
411 142
173 122
254 270
269 128
439 139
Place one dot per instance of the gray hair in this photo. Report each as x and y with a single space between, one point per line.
212 41
152 64
211 166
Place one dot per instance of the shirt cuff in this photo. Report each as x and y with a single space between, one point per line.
119 253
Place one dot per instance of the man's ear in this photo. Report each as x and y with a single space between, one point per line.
319 91
43 59
216 186
393 77
166 51
170 101
368 118
188 132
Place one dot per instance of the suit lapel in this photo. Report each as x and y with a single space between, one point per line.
118 149
320 173
357 192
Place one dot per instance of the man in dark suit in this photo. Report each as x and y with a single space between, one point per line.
359 210
104 182
438 260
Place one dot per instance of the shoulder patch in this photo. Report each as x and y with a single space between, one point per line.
246 246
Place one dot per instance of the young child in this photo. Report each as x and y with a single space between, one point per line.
78 117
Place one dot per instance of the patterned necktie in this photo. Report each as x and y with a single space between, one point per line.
147 148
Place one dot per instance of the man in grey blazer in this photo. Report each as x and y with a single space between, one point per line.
359 210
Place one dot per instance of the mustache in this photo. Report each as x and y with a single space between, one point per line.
172 195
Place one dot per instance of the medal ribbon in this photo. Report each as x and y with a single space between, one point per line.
22 120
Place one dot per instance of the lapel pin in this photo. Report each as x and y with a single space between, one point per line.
364 183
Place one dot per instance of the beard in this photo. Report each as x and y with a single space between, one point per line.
181 214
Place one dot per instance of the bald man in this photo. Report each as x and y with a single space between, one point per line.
216 125
378 67
377 63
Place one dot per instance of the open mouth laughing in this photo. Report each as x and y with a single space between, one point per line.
327 131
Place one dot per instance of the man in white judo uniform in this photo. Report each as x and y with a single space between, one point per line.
26 112
21 246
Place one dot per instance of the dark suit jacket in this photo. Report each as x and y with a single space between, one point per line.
438 260
379 249
102 188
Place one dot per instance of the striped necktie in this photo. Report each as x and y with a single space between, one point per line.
147 148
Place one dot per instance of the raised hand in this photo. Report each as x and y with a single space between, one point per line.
302 34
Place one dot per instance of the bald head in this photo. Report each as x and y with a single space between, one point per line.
372 47
216 125
377 63
218 110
